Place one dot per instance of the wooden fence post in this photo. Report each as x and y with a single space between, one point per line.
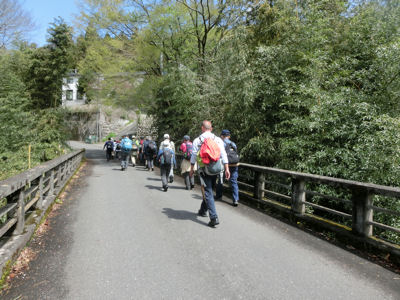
362 212
259 185
51 182
59 175
40 201
298 196
20 213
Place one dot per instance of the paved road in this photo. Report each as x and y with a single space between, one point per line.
118 236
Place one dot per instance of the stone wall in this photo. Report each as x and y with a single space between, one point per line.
101 121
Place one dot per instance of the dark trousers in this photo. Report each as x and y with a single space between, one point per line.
208 203
108 154
165 169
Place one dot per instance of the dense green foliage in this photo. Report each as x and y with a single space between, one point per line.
306 85
30 96
312 85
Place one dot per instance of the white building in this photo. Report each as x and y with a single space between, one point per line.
70 94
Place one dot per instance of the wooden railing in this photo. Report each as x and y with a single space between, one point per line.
339 202
350 203
34 189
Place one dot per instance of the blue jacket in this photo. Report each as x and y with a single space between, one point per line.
229 142
161 152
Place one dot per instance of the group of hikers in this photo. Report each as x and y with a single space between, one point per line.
214 158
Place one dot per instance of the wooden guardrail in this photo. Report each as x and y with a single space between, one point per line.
34 189
345 203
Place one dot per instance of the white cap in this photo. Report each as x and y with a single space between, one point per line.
166 136
166 144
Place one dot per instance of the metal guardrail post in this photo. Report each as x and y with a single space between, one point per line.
20 213
259 185
362 212
298 196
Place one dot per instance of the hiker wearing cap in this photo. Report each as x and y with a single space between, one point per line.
172 146
187 149
233 160
166 158
209 152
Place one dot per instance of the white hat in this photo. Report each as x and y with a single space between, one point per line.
166 144
166 136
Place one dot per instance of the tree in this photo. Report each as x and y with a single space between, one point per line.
49 65
19 124
14 21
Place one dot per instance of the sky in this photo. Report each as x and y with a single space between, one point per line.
43 13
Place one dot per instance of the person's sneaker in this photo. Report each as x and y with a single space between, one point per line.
192 187
152 169
235 203
213 222
217 198
201 214
171 179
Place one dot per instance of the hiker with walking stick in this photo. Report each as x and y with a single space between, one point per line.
209 152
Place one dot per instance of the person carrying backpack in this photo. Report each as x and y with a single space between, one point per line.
126 149
187 150
117 149
150 152
135 150
166 158
233 160
171 145
141 153
109 146
144 150
209 151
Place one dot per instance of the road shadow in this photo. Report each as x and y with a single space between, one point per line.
171 187
196 196
182 215
152 187
154 179
174 187
142 169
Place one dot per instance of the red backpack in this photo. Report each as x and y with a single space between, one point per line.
209 151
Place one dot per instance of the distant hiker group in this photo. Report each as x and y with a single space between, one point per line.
214 158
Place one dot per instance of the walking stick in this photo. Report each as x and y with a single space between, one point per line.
202 184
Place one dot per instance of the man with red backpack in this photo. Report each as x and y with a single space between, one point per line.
209 152
187 150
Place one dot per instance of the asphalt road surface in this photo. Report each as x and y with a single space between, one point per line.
119 236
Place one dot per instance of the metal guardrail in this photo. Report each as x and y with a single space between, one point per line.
296 192
31 189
